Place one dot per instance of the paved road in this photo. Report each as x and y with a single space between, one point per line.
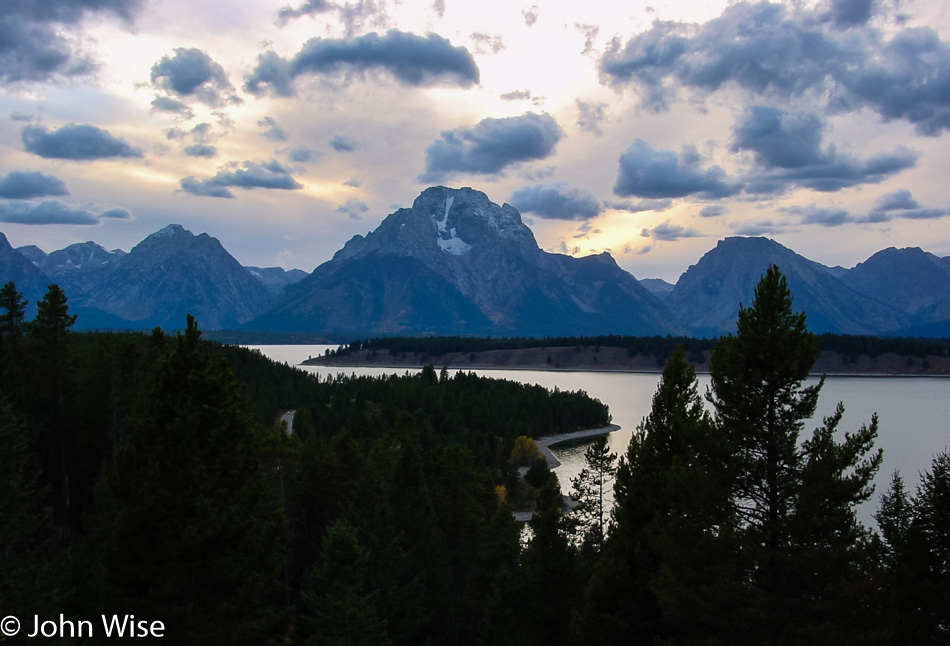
546 442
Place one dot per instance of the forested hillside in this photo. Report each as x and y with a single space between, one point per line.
146 474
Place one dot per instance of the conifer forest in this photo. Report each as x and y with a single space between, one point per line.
150 475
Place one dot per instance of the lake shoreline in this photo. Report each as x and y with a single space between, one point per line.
617 360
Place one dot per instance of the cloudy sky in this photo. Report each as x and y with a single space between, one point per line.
650 130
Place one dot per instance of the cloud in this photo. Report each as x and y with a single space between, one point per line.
486 43
771 49
302 154
639 207
192 74
850 13
168 104
713 211
788 149
530 15
272 73
558 201
901 204
56 212
516 95
200 134
758 228
909 78
274 132
826 217
669 232
439 8
23 116
201 150
645 172
353 209
306 9
759 47
37 40
77 142
249 174
412 60
492 145
21 185
344 144
591 116
353 183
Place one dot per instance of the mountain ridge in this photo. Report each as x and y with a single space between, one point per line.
457 263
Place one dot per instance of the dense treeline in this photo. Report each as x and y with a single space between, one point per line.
145 474
659 347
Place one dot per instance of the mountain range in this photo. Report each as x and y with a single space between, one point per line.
456 263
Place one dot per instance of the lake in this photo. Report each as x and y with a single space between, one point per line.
913 411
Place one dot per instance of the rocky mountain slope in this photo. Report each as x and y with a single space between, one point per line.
456 263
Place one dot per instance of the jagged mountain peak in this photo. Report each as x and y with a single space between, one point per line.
445 223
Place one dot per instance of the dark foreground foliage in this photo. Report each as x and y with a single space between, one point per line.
148 475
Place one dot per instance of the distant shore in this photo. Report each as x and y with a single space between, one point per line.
610 359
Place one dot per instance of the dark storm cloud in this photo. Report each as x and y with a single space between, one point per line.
669 232
344 144
191 73
412 60
491 145
249 174
788 149
558 201
55 212
21 185
201 150
34 36
273 131
77 142
778 51
168 104
645 172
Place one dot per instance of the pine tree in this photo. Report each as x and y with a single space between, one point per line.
665 568
12 315
338 607
588 491
794 502
187 528
49 391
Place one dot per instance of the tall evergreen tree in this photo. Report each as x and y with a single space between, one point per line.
793 501
186 512
12 315
665 572
49 392
589 489
338 607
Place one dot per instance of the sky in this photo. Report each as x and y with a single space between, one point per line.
649 130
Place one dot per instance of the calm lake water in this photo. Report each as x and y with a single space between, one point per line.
914 412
